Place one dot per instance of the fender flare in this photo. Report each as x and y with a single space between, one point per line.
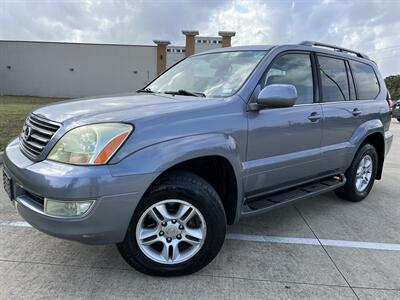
364 130
160 157
362 133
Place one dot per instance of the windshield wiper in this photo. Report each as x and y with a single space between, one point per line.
185 93
146 90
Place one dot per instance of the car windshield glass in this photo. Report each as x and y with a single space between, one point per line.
218 74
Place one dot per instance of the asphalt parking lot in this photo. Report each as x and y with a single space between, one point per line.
321 248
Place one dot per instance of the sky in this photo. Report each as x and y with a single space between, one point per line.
372 27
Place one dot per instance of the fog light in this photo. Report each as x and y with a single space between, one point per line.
66 208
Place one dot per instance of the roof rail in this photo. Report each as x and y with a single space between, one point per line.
335 48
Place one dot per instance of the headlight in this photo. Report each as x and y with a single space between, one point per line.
91 144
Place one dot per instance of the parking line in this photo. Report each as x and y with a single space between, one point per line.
14 224
361 245
277 239
271 239
314 242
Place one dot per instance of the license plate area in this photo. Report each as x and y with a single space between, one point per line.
8 186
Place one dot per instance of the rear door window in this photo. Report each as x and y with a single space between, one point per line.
366 80
334 79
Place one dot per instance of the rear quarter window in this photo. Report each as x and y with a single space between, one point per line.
366 80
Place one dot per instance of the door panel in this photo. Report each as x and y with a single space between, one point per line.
283 147
284 143
343 114
341 119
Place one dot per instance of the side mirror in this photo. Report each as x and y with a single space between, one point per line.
277 95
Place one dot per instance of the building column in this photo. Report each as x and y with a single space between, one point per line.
190 34
226 37
161 55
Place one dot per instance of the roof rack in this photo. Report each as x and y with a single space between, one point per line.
335 48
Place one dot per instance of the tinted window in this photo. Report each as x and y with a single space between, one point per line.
365 77
335 86
293 69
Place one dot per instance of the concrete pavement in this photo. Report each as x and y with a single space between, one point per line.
34 265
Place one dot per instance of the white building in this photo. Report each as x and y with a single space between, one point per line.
201 44
73 70
54 69
205 43
175 54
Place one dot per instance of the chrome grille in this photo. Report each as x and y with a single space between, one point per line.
36 133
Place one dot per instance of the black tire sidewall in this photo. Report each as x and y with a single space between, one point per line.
201 196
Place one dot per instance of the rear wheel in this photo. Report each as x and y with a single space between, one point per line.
178 227
360 176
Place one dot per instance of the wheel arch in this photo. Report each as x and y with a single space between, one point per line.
214 157
371 132
377 140
219 173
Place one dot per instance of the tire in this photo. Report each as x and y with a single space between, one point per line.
350 191
398 119
192 191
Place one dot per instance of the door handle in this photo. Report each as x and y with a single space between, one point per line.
314 116
356 112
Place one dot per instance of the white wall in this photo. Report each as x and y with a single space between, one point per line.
43 69
173 56
209 45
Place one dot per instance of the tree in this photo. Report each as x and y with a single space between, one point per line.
393 85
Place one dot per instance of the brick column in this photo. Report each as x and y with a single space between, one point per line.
190 34
226 37
161 55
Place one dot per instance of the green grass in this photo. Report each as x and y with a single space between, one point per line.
13 111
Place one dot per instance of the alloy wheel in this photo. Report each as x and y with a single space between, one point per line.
364 173
171 231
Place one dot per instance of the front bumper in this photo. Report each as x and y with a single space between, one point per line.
116 197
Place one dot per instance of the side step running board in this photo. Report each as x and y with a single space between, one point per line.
289 196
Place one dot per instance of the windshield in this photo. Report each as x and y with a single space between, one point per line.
218 74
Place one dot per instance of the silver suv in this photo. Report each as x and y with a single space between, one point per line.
222 135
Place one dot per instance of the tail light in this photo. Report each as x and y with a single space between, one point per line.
389 101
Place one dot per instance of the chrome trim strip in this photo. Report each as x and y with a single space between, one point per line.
46 120
38 129
42 123
23 200
41 134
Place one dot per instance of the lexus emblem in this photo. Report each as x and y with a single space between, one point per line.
27 132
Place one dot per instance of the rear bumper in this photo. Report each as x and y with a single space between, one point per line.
116 197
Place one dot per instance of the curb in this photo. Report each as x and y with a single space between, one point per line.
1 158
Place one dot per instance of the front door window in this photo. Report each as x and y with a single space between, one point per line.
295 69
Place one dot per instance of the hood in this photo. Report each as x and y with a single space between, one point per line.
120 108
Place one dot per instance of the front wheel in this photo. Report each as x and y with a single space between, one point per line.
178 227
360 175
